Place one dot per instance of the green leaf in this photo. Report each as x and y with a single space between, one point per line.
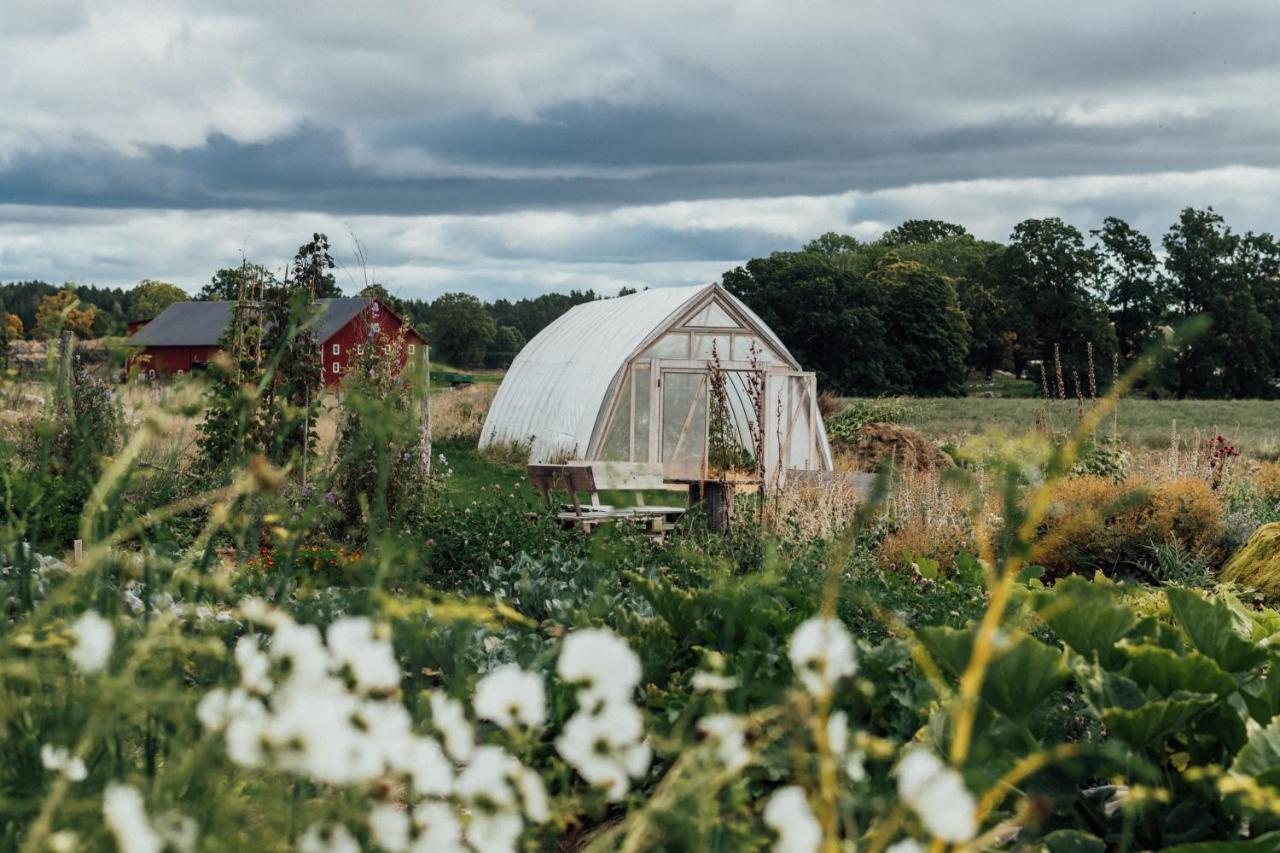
1266 843
1167 672
969 569
1216 630
1072 841
1022 674
1087 618
1152 722
1262 697
1260 756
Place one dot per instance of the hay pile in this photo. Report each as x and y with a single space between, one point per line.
871 444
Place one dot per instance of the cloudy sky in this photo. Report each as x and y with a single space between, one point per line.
509 149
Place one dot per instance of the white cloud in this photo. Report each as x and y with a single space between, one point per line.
529 252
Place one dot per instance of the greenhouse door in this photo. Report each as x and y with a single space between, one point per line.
790 442
682 423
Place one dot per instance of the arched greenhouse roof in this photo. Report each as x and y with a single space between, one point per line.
552 394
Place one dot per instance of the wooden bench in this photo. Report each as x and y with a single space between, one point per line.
591 478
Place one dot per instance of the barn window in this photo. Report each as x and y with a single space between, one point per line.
386 348
377 328
413 349
359 349
335 368
337 348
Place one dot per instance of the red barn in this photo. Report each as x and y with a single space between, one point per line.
185 336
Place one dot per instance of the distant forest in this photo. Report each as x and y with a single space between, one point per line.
917 311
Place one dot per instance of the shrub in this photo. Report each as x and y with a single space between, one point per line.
1097 524
1257 565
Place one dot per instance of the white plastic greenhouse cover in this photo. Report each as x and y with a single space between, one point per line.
552 394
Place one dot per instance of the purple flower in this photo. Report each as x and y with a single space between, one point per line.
330 498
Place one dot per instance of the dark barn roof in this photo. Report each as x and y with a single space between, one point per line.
196 324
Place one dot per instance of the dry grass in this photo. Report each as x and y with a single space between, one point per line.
810 510
458 413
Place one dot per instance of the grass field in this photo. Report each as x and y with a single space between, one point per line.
1253 426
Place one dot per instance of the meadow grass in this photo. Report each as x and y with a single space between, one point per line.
1253 426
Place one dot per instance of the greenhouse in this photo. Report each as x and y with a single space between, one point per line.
662 376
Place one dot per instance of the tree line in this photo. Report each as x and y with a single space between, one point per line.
919 309
915 312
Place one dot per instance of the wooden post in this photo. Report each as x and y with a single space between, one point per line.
426 409
66 346
717 501
77 551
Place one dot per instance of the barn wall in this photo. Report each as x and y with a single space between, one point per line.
167 361
357 334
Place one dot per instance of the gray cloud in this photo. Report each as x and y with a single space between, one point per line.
458 119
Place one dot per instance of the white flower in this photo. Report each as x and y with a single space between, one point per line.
487 778
254 665
177 830
906 845
449 718
711 682
372 661
730 736
257 610
605 747
838 733
64 841
788 814
601 662
533 794
300 646
329 839
311 732
853 765
126 817
427 766
937 793
60 760
439 830
494 833
509 695
94 637
821 654
389 827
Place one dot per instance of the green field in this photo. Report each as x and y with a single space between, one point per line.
1253 426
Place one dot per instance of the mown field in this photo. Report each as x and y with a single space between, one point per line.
284 631
1253 426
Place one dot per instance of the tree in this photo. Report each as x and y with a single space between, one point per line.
1054 274
927 331
974 268
1215 272
1134 290
61 311
311 267
151 297
506 343
10 331
916 231
461 329
380 293
227 284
